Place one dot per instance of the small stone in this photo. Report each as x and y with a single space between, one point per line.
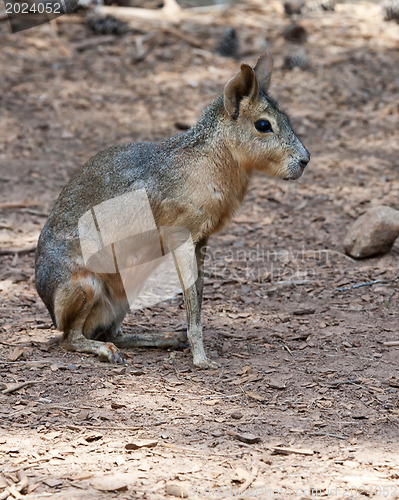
373 233
116 482
236 415
276 384
176 490
298 59
247 437
228 44
295 33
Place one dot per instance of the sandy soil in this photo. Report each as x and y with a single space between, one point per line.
305 402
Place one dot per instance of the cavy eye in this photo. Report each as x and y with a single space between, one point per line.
263 126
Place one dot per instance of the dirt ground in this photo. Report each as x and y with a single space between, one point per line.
304 403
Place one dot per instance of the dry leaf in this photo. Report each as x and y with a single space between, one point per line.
255 396
211 402
116 482
245 437
93 436
141 443
15 354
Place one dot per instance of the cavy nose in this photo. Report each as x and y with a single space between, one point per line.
304 161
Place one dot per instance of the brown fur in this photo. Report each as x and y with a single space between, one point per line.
195 181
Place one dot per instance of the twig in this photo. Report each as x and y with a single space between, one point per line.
23 481
34 212
6 493
340 382
186 38
93 42
17 251
14 492
287 451
358 285
328 434
102 428
336 252
16 387
288 349
200 452
392 343
25 362
71 18
20 204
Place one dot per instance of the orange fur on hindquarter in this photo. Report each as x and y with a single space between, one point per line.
74 300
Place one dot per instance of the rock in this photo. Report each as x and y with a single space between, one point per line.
373 233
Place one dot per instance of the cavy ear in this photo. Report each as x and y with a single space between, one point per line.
244 84
263 71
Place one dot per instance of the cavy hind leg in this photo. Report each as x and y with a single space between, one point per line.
75 302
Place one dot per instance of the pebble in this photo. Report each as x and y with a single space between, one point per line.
236 415
176 490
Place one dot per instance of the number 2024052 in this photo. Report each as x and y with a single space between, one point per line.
40 8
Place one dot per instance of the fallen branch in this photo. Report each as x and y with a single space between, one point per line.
392 343
358 285
17 251
16 387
